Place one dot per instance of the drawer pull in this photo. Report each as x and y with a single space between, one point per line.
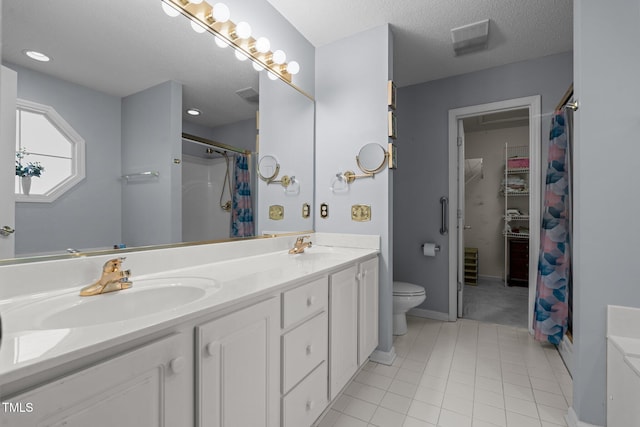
310 301
177 365
309 405
309 349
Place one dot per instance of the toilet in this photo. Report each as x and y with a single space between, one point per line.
405 297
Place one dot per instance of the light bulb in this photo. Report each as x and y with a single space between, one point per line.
272 76
193 112
243 30
293 67
279 57
263 45
172 12
220 42
195 1
257 66
240 56
197 27
221 12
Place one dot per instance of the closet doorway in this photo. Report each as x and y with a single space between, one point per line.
481 194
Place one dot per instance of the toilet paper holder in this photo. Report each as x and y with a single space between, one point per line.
437 248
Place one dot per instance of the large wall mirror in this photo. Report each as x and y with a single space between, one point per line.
123 75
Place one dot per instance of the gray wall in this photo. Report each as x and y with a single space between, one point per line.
606 202
97 118
287 133
422 176
151 140
351 110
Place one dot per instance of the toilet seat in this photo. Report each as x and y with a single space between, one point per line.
404 289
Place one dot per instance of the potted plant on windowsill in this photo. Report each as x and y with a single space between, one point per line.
27 170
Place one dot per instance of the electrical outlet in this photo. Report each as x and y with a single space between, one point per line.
306 210
324 210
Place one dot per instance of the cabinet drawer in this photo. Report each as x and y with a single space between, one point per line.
305 403
303 349
303 301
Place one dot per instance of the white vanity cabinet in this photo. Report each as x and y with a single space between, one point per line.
343 326
353 321
238 368
305 339
146 387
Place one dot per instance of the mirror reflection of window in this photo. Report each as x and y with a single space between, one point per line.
44 138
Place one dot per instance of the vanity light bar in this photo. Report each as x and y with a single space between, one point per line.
202 14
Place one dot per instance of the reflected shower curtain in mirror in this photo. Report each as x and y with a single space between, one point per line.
241 210
554 267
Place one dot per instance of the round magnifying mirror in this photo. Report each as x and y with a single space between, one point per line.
268 168
372 158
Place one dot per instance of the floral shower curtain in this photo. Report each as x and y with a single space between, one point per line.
241 210
551 315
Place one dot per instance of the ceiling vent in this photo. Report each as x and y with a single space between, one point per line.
470 38
249 94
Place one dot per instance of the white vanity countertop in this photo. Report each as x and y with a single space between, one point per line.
27 351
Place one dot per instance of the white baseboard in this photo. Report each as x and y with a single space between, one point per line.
384 357
429 314
573 421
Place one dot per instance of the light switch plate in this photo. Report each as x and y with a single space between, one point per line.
361 213
276 212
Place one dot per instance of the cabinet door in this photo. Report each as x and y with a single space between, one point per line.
238 368
343 325
148 387
368 309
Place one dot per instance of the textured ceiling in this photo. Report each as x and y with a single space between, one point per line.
122 47
519 30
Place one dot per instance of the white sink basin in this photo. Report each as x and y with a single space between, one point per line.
146 297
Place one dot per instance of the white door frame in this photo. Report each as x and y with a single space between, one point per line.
533 104
8 96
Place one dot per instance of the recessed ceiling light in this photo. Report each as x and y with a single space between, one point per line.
38 56
194 112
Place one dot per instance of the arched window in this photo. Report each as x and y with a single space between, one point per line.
44 137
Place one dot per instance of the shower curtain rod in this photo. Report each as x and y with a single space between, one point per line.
565 98
219 145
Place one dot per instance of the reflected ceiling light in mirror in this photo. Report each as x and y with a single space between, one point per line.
197 27
170 10
221 43
272 76
241 56
37 56
194 112
257 66
216 20
195 1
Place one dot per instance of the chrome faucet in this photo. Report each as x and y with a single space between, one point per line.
113 279
300 245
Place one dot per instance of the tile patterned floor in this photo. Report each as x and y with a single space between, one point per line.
462 374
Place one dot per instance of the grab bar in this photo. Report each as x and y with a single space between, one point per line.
444 203
147 174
